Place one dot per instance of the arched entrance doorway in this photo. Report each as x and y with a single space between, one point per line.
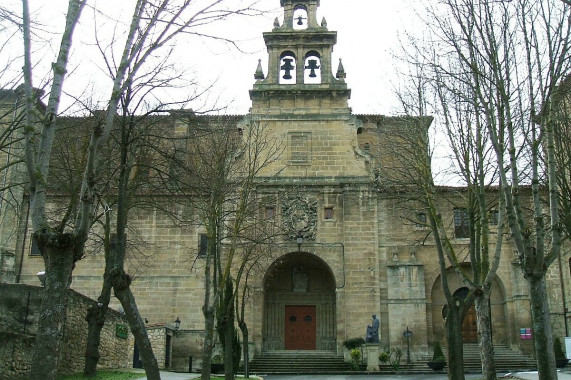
500 326
299 304
469 325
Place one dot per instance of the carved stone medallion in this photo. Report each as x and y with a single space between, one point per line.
299 214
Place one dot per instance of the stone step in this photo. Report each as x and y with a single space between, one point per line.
299 362
324 362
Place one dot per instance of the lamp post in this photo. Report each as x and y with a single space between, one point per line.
176 324
299 239
407 334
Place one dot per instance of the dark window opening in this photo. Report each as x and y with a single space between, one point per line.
203 245
493 217
328 213
420 220
35 250
461 223
270 212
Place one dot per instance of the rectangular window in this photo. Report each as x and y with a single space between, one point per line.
493 217
202 245
420 220
300 148
328 214
35 250
270 212
461 223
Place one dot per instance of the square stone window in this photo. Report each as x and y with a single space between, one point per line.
299 145
328 213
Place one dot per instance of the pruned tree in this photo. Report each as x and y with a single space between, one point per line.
406 176
561 103
218 172
154 24
503 60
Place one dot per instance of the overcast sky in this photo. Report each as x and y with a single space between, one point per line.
368 35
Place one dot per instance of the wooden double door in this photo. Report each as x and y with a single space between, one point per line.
469 327
300 327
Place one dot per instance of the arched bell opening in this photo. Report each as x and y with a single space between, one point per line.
312 68
299 304
287 68
300 19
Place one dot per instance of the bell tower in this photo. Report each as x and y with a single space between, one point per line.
300 71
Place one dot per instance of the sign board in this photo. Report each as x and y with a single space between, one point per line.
121 331
525 333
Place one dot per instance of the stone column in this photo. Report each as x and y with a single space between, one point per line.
372 355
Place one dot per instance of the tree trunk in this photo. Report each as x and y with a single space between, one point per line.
229 344
484 322
121 282
542 334
208 341
455 345
245 341
95 321
59 260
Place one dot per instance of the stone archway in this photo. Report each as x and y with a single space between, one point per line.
500 326
299 304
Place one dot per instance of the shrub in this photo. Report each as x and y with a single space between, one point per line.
394 358
384 357
355 358
353 343
558 349
438 354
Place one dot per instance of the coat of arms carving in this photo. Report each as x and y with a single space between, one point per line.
299 214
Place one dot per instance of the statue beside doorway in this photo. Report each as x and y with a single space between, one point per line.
300 279
373 331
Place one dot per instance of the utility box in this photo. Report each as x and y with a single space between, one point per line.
568 347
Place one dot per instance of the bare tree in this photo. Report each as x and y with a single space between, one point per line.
405 175
562 129
154 25
504 59
219 171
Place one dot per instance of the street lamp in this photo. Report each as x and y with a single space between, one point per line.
42 277
177 324
299 239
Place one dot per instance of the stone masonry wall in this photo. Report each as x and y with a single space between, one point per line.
19 314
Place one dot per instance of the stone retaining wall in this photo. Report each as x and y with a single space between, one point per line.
19 313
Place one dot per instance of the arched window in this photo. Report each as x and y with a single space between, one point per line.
300 18
287 68
312 68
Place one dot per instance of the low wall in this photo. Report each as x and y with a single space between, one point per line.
19 313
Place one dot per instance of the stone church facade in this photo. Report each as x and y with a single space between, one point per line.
360 254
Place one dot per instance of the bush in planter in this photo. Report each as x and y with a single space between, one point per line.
438 355
353 343
384 357
560 358
217 364
355 358
438 359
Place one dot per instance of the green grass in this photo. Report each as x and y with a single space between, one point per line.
105 375
114 375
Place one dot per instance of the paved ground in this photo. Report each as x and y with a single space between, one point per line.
565 375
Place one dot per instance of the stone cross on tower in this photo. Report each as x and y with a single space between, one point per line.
288 67
312 65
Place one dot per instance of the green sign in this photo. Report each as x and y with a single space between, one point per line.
121 331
